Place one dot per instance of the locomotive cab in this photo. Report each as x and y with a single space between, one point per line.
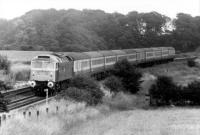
44 70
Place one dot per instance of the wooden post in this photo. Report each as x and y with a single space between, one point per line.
29 113
57 109
47 110
24 113
38 113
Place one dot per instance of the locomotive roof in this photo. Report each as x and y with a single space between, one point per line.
94 54
76 55
51 57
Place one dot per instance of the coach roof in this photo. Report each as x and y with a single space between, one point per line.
76 55
94 54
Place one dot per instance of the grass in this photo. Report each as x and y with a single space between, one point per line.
175 121
77 118
179 71
21 56
69 115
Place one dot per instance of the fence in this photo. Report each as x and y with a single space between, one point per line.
29 113
42 112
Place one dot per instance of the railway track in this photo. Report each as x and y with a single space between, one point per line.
23 102
184 58
17 98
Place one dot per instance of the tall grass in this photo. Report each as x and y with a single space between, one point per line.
55 122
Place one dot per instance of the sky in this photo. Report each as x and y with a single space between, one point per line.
10 9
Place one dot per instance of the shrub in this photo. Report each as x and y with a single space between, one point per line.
130 76
22 75
84 88
4 64
83 82
164 91
191 63
5 85
192 93
114 84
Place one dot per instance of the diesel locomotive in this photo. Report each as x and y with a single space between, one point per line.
52 71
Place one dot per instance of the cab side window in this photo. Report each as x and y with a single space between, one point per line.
56 66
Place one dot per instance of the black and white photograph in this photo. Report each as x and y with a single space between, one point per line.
99 67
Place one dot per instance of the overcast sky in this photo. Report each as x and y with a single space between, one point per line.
14 8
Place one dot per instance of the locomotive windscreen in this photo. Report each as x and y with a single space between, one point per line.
44 57
42 65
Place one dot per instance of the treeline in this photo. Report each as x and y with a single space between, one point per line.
86 30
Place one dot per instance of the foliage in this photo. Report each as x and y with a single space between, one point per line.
191 93
96 30
131 78
84 88
114 84
4 85
191 63
4 64
166 92
23 75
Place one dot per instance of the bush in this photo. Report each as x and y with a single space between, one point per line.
84 88
191 93
80 95
164 91
130 76
4 86
114 84
191 63
4 64
23 75
84 82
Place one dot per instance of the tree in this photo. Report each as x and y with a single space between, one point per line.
131 78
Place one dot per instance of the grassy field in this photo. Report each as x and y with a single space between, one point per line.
179 71
79 119
21 56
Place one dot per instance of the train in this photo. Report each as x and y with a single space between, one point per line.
52 71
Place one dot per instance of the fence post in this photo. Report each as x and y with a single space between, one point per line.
47 110
57 109
4 117
24 113
38 113
29 113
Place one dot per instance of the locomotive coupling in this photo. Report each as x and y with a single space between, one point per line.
32 83
50 84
